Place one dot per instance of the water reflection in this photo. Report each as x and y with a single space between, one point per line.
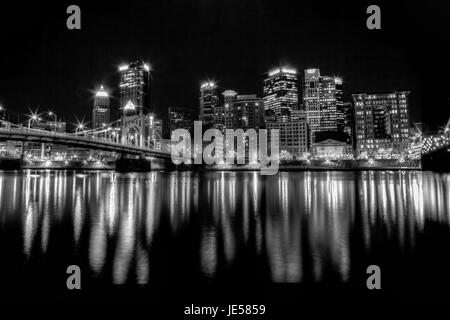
294 227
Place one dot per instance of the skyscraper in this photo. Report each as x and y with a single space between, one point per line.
322 98
134 88
100 110
209 101
248 112
281 92
382 123
229 97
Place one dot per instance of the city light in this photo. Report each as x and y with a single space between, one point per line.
291 71
101 92
123 67
209 84
130 106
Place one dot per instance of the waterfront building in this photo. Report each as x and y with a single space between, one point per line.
332 150
293 135
382 123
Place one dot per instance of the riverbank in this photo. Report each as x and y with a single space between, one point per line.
307 165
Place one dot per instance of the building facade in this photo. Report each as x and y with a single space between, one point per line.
134 87
248 112
382 124
208 102
346 123
293 136
331 149
322 100
281 92
101 110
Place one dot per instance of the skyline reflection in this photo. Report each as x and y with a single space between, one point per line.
293 227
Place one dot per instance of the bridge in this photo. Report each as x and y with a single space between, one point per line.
437 141
86 141
129 143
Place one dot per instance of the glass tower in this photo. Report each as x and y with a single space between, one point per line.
134 88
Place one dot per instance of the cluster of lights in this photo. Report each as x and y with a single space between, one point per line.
282 70
125 67
209 84
130 106
431 144
101 93
311 71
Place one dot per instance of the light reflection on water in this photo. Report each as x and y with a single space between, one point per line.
297 225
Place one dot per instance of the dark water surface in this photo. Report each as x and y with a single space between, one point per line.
293 233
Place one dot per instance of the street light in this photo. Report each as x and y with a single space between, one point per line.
32 118
80 128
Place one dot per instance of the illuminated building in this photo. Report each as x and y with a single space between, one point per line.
281 92
293 135
134 88
181 118
331 149
248 112
209 101
322 99
244 111
100 111
227 110
382 123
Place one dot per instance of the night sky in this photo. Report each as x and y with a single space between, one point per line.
232 42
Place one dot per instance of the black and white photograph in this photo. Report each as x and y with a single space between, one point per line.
229 159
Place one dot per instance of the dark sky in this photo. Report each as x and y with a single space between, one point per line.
232 42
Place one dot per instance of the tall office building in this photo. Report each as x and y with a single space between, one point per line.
281 92
239 111
134 88
382 123
209 101
100 110
229 98
322 99
248 112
